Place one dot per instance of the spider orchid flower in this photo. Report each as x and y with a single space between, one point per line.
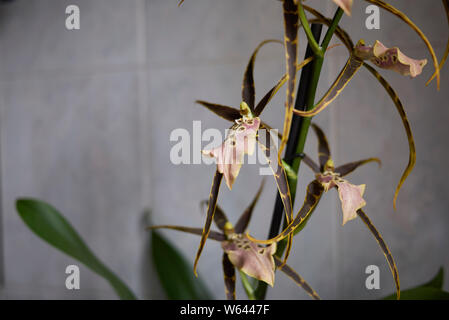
241 140
383 57
291 21
390 58
351 196
239 252
346 5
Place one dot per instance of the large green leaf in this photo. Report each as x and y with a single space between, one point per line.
431 290
50 225
437 281
175 273
421 293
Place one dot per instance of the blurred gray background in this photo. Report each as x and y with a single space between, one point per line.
85 120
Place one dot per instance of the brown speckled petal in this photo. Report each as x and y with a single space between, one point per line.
391 59
254 260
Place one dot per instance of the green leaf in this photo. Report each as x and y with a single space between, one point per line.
431 290
50 225
175 273
437 281
421 293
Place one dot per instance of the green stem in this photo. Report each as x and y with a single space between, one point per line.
247 286
330 32
316 71
319 52
310 99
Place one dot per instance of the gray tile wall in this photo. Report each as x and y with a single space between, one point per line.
86 116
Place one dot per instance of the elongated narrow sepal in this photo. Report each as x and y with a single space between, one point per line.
324 153
198 231
280 176
210 215
313 196
225 112
291 24
406 124
288 248
220 219
292 274
386 251
271 93
229 277
276 166
310 163
269 150
347 73
268 96
446 51
347 168
248 90
267 127
232 114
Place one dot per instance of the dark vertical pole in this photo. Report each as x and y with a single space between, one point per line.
300 104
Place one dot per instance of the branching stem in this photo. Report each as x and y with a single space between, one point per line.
310 82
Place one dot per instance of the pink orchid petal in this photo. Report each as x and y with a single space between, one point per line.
390 58
254 260
229 155
351 199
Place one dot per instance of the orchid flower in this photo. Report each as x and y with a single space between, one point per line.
347 41
241 253
327 177
241 140
346 5
384 58
399 62
388 7
413 67
344 36
390 58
